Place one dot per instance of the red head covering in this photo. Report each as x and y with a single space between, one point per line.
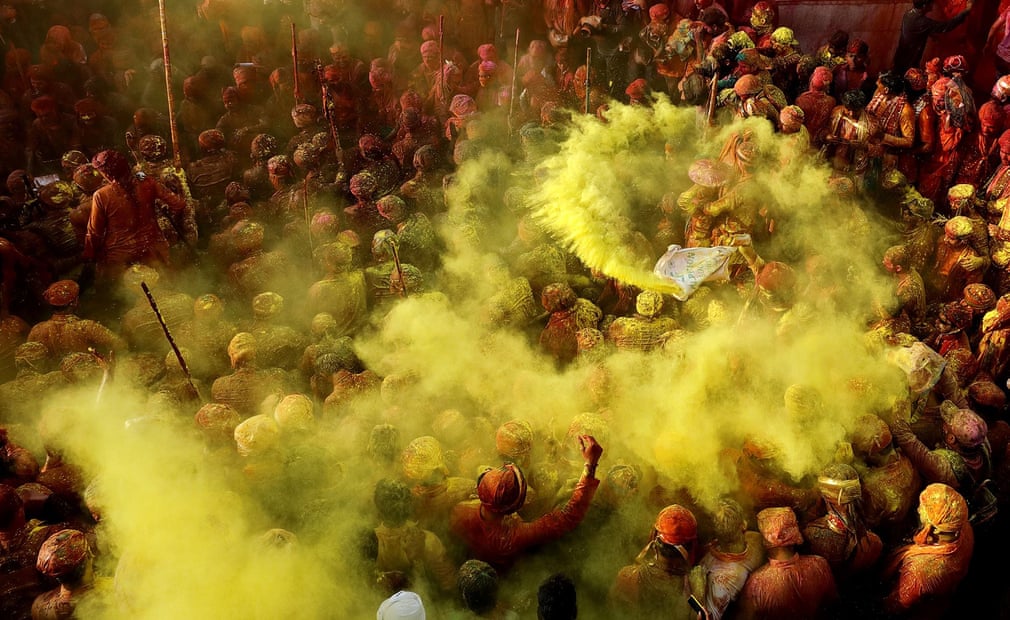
821 79
62 553
871 435
775 276
987 394
112 164
858 46
62 293
916 79
955 64
791 114
637 89
979 297
676 525
991 112
211 140
263 146
279 165
503 490
411 99
43 104
488 52
747 85
429 47
943 509
779 527
659 12
462 105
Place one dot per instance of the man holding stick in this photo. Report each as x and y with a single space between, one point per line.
123 227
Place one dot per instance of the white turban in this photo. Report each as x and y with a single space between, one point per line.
401 606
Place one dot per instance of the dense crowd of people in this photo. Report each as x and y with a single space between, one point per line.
225 258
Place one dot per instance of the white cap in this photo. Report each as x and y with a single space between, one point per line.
403 605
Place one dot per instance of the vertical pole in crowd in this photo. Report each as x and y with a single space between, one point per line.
589 60
713 94
441 60
294 63
167 59
515 75
308 221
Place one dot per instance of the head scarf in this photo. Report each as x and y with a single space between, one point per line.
676 525
942 509
421 458
401 606
871 435
916 79
294 413
462 106
217 419
968 428
211 140
747 85
514 439
502 490
779 528
821 79
61 294
256 435
792 114
62 553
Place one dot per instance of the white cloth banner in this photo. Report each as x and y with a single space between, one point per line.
690 267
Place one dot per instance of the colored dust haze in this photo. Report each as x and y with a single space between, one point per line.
184 518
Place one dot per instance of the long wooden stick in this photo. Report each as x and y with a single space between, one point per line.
171 341
589 60
167 61
515 75
399 267
441 59
294 62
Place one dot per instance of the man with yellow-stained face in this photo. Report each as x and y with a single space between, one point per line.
956 264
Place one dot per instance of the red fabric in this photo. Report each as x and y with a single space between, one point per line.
928 572
817 107
787 589
558 338
499 542
933 466
119 233
889 491
768 492
652 592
